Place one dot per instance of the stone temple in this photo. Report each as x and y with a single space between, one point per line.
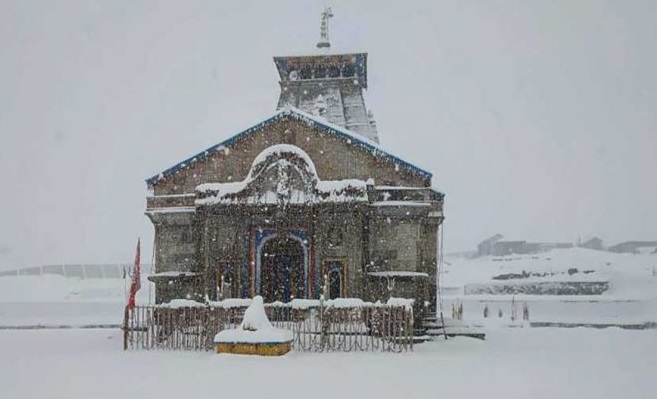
303 203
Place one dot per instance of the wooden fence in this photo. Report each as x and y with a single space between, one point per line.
371 327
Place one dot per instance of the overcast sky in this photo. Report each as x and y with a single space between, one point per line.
538 119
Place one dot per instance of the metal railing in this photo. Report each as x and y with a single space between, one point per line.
371 327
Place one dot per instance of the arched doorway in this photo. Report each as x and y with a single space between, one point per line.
282 270
335 284
334 279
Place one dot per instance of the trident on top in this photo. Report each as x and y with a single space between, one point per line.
324 29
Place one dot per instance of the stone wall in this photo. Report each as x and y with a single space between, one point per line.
229 227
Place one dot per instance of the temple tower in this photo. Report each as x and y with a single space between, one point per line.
328 85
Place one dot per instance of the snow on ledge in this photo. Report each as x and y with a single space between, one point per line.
304 303
400 273
400 302
299 304
181 303
232 303
400 203
343 303
266 336
172 209
174 274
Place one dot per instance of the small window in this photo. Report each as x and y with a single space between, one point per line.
335 284
225 281
334 278
225 286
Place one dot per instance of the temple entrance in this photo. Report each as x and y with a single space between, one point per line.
282 270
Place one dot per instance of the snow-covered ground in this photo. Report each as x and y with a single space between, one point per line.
511 363
55 300
631 297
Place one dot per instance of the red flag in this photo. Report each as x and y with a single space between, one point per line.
136 279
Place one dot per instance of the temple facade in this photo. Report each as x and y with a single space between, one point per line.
302 204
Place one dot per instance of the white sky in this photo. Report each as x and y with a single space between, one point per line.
538 119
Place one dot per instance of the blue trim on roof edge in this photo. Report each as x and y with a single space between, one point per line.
286 112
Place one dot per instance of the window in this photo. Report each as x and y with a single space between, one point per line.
334 279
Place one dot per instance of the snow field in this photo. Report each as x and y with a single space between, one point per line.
54 300
512 363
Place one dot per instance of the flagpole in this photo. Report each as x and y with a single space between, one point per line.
125 284
134 287
150 286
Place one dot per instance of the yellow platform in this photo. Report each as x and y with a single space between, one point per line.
261 349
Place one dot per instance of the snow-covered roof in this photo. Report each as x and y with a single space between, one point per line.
316 122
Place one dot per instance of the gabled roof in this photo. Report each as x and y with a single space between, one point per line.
314 121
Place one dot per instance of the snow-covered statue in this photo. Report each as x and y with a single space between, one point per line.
255 318
255 335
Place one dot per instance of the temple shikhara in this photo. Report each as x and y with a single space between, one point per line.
302 204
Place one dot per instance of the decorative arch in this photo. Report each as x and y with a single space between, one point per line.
282 174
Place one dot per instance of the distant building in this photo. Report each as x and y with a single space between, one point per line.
547 246
496 246
486 247
504 247
635 247
593 243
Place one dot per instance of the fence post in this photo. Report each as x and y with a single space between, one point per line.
125 329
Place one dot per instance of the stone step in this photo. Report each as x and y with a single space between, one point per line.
421 338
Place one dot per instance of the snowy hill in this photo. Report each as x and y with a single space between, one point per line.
628 276
573 286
